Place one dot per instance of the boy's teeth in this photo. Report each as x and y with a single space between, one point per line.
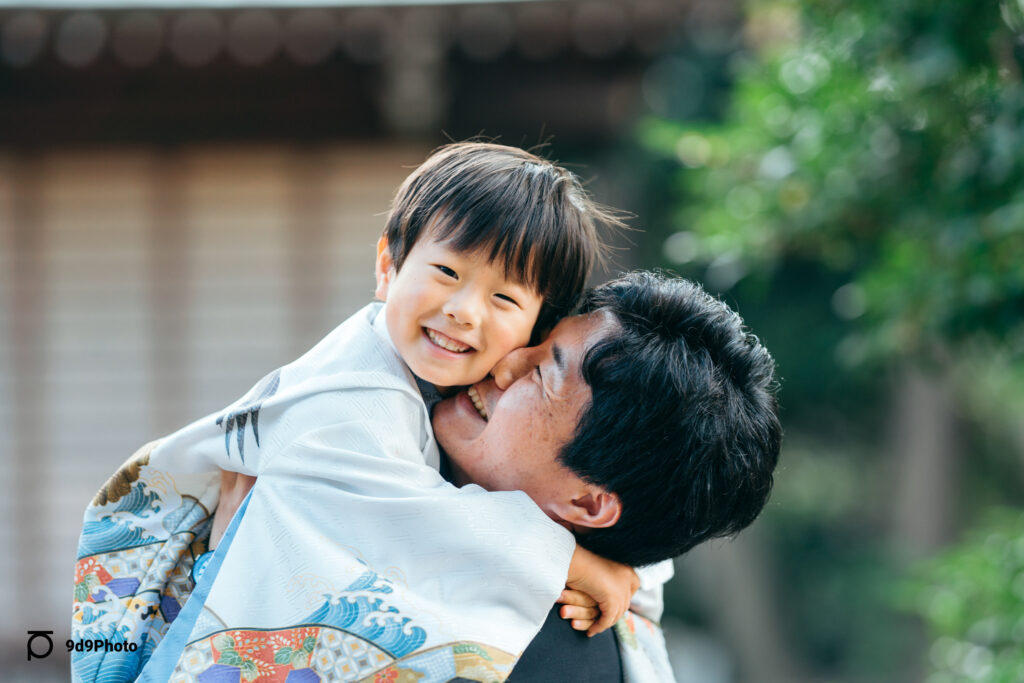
477 402
445 343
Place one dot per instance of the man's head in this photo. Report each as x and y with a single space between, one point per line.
525 214
506 433
669 433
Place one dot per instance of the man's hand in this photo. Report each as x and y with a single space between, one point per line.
597 592
233 489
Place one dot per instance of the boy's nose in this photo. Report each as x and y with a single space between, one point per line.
463 310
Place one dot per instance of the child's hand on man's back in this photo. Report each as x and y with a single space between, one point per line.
597 591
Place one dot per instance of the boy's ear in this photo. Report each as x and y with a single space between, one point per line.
596 509
383 269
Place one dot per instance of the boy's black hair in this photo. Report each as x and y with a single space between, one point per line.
530 215
683 421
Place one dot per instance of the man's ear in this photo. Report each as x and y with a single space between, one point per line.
596 509
383 268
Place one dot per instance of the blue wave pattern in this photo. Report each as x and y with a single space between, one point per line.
107 535
109 667
186 516
367 617
117 533
139 501
119 526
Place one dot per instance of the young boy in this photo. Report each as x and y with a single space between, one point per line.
485 248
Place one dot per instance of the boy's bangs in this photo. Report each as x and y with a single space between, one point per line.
525 243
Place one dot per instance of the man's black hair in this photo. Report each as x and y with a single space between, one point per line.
528 214
683 421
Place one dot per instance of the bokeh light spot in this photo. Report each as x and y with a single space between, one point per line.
693 150
681 247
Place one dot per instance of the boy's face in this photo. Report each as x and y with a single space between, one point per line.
453 315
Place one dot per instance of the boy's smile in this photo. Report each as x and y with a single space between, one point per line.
446 342
453 315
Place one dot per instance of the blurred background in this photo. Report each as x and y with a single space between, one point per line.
190 193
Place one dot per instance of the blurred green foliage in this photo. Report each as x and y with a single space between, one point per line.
860 196
972 599
882 139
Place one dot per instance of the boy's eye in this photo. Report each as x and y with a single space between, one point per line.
506 297
447 271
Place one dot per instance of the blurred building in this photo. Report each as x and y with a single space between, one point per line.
189 198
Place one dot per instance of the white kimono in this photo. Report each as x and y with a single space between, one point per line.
353 560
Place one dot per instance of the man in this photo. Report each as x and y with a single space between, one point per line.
646 425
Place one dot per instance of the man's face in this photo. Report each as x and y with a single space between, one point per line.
505 432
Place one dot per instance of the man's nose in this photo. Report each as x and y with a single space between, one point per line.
464 308
514 365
